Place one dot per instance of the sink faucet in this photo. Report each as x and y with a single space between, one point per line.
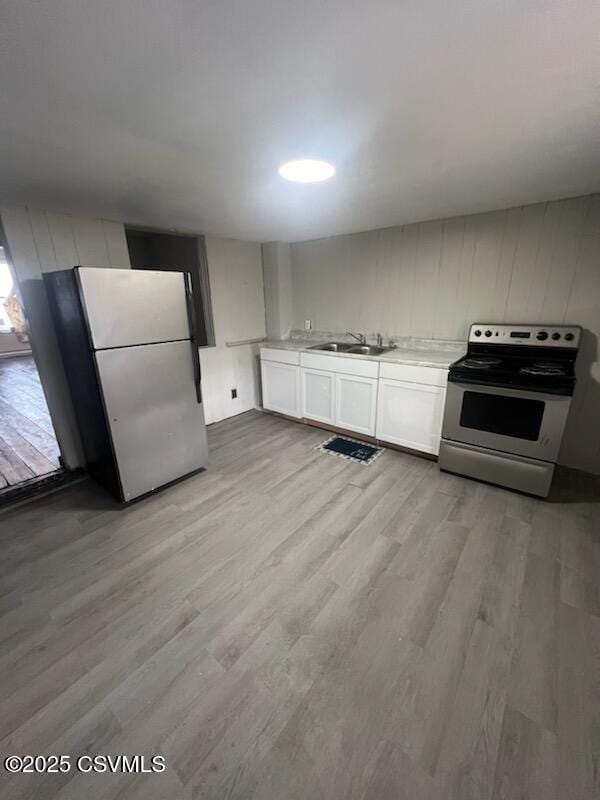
379 340
360 337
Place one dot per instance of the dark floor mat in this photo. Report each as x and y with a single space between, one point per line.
353 449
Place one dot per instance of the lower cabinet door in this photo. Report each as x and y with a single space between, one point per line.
281 387
410 414
356 403
318 392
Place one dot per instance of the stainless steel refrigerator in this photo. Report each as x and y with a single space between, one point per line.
129 348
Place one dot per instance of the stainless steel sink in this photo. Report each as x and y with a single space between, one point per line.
368 349
333 347
346 347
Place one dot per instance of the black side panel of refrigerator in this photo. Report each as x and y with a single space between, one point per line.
80 368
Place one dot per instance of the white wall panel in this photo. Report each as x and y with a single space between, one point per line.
488 233
236 285
92 250
277 277
426 278
447 294
510 237
116 243
224 369
238 303
567 245
63 240
43 240
21 243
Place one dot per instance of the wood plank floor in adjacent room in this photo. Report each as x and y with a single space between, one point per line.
289 625
28 446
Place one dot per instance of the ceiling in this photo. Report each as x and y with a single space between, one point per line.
177 114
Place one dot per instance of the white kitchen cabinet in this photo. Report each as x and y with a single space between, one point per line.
318 395
398 403
340 391
410 414
281 387
355 403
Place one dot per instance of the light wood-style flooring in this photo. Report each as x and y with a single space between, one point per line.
28 446
289 625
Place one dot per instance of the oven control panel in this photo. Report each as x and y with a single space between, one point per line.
531 335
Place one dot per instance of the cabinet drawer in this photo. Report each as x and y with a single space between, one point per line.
347 366
430 376
280 356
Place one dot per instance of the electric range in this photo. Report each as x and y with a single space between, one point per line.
507 404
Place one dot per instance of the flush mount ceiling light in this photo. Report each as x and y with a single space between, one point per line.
307 170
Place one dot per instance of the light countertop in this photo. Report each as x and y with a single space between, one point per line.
418 353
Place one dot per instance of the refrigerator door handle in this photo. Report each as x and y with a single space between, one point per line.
189 299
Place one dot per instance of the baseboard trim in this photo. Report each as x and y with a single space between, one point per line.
12 497
345 432
401 449
15 353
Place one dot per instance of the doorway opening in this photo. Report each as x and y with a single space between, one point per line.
178 253
29 451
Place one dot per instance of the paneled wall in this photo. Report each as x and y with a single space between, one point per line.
277 276
538 263
236 287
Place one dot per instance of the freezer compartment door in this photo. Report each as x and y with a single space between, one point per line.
156 423
126 307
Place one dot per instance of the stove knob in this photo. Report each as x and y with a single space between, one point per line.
477 332
488 333
569 337
556 336
542 335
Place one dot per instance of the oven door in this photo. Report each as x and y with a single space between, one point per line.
510 420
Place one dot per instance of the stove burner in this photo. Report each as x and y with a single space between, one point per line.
543 368
481 362
547 365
